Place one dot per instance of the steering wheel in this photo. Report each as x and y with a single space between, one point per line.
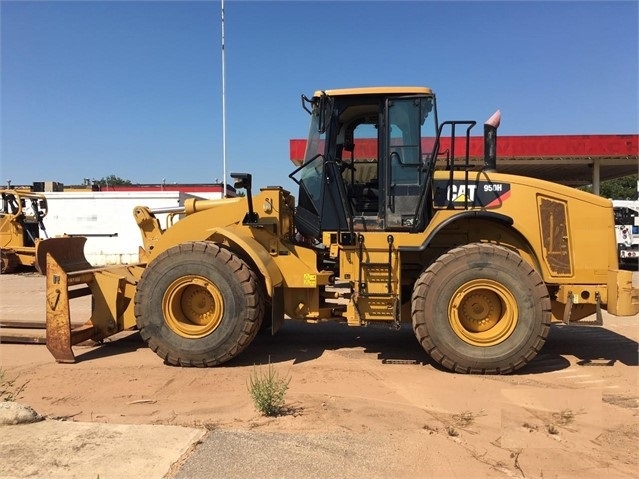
345 165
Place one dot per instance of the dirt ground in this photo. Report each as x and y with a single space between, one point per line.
573 412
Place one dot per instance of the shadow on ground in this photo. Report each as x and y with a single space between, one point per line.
301 342
124 342
591 345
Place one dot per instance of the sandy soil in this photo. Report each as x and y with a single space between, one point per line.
573 412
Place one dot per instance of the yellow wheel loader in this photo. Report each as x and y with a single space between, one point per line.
390 226
22 229
21 215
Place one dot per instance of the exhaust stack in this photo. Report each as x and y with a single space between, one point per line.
490 141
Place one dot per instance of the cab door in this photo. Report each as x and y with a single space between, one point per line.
406 125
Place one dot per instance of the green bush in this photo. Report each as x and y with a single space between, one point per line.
268 390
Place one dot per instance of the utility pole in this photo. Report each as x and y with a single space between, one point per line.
223 110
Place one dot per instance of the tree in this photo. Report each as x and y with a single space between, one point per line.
624 188
113 180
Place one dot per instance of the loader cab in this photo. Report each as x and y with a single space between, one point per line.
367 165
21 215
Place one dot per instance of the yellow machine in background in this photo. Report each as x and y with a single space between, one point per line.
401 231
21 215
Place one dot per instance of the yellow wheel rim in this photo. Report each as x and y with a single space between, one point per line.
193 306
483 313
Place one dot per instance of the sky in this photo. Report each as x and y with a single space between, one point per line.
90 89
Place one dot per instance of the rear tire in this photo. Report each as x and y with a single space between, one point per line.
481 308
198 304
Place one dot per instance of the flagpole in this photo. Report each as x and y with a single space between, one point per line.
223 110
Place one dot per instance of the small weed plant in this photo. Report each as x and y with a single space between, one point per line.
452 431
268 390
464 419
8 389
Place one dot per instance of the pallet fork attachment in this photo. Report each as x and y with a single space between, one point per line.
70 276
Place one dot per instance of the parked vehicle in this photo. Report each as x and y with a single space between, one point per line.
479 262
627 230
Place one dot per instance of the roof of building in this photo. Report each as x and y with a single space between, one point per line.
564 159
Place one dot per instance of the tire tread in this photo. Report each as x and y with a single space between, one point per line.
425 281
249 284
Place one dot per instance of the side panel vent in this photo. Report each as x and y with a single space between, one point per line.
554 235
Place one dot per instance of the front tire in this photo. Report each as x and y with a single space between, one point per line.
198 304
481 308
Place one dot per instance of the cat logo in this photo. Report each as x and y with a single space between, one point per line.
484 194
461 194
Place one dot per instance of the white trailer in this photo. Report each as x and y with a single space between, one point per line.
106 219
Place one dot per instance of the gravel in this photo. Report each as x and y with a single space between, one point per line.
252 454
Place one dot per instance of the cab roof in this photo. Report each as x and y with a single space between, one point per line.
377 90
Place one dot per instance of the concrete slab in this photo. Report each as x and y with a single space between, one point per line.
57 449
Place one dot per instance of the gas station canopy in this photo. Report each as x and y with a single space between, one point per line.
573 160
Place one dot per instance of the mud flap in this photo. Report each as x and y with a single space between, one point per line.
277 318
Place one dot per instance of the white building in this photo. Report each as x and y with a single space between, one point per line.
106 219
